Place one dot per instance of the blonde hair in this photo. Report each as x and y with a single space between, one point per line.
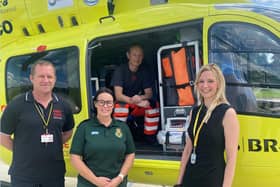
220 94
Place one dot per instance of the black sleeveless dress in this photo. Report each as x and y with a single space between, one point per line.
208 171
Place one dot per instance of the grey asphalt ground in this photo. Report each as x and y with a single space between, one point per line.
69 182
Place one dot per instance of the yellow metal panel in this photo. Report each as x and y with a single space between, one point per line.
45 13
155 171
13 18
150 17
258 162
40 16
128 5
92 13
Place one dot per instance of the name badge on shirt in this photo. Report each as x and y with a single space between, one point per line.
46 138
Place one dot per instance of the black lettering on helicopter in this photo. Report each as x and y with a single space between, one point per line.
263 145
6 27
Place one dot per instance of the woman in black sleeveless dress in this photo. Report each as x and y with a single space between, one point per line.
213 129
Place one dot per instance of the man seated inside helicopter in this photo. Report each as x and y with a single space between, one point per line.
132 85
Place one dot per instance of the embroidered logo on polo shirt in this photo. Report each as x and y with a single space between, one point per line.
57 114
94 133
118 133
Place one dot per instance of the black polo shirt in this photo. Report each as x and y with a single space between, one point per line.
34 161
133 83
103 148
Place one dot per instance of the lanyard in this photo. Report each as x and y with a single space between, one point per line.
196 134
46 123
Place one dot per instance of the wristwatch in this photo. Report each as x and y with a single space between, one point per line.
121 176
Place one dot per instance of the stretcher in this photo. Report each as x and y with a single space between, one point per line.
177 65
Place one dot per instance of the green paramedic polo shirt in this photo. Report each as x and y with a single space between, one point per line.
103 149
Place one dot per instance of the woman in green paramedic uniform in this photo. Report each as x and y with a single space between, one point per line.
102 149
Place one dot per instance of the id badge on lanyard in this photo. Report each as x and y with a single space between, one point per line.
46 137
193 155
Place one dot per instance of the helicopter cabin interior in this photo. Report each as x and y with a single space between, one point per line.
107 53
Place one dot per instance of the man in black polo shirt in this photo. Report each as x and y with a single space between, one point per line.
40 123
133 84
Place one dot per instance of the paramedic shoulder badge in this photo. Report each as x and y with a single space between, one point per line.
118 133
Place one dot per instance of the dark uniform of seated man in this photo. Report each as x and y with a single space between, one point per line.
133 84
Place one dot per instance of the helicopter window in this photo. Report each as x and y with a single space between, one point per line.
67 83
249 58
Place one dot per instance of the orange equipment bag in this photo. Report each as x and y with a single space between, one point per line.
184 90
178 68
167 67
